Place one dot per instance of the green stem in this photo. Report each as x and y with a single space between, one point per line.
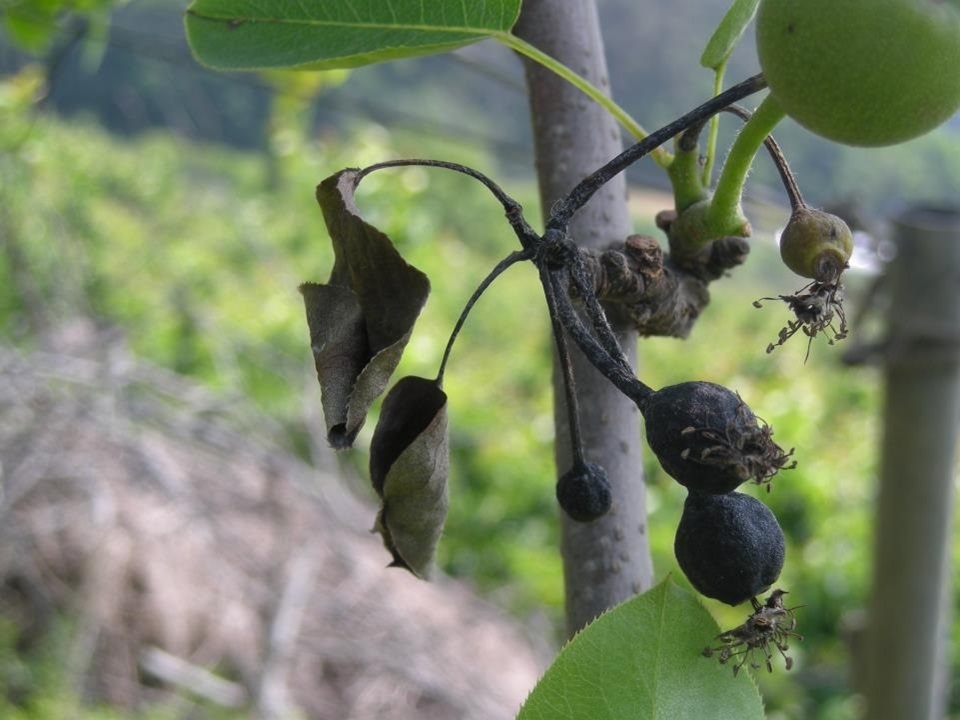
662 157
776 154
707 176
725 216
685 178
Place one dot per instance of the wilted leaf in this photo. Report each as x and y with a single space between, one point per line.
408 467
361 320
248 34
643 660
728 33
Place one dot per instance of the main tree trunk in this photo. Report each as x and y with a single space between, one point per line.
608 560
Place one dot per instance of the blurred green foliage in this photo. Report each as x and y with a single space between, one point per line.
197 256
36 683
34 24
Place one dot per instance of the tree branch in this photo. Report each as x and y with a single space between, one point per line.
608 560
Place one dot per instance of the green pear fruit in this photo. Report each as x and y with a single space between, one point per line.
862 72
816 244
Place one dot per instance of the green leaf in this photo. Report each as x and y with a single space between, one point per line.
361 320
728 33
255 34
409 461
643 660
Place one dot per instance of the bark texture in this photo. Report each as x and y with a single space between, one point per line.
608 560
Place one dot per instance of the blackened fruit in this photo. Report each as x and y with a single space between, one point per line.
584 492
707 438
730 546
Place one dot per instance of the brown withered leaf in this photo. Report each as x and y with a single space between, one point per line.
409 460
361 319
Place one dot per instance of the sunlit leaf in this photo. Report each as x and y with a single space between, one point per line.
243 34
728 33
361 320
643 660
409 459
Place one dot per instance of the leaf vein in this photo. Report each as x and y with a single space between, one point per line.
450 29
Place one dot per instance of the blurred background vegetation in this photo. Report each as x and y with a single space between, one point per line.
149 194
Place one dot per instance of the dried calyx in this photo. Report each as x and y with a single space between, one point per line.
817 308
708 440
770 623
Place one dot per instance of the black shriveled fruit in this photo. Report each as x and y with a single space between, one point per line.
729 546
584 492
707 438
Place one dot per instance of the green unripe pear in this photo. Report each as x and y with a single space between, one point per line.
816 244
862 72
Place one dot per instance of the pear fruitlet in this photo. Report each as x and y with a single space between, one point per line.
707 439
584 492
862 72
816 244
730 547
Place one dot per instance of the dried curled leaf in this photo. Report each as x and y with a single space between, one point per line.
409 460
361 319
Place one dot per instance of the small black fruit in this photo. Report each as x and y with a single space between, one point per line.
730 546
707 438
584 492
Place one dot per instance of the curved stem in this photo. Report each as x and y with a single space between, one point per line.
724 216
569 385
514 211
587 187
776 154
598 318
661 156
498 269
621 376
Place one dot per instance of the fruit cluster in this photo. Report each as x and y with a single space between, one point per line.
728 544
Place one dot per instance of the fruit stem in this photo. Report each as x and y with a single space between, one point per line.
528 237
569 384
507 262
614 368
598 318
685 177
724 216
779 159
564 209
711 153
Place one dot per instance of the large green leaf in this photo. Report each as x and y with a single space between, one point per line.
251 34
643 661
